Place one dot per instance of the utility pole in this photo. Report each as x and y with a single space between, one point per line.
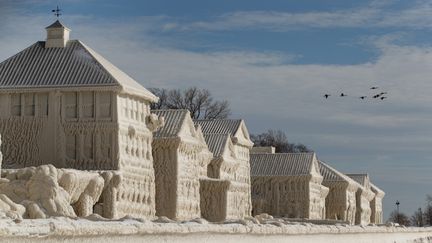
420 218
397 216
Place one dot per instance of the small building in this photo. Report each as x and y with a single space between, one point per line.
376 205
223 197
341 199
181 157
364 196
288 185
229 141
62 103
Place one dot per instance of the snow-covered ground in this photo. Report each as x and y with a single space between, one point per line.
132 230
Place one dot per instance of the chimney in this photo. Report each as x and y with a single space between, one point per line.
263 150
57 35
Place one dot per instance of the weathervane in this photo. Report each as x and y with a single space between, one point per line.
56 12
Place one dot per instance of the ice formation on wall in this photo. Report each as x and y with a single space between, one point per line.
46 191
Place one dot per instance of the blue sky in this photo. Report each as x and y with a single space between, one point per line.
273 60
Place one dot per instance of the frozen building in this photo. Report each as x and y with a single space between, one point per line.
341 200
181 157
376 205
288 185
364 196
62 103
229 169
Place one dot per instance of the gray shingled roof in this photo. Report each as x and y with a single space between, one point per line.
76 65
220 126
56 24
359 178
281 164
174 120
40 66
330 174
216 142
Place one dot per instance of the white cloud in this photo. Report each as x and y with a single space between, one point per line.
264 81
375 14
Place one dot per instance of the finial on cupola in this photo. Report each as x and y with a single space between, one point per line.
57 33
56 12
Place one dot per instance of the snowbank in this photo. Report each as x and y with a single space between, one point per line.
97 229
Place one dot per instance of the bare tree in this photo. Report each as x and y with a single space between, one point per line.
199 102
428 210
417 218
278 139
400 218
163 95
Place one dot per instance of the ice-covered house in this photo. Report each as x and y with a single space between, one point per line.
62 103
181 157
376 205
229 169
288 185
364 196
341 199
221 196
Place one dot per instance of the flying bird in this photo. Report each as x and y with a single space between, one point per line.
374 87
376 96
363 97
382 98
342 95
326 96
383 93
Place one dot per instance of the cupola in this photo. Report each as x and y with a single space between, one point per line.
57 35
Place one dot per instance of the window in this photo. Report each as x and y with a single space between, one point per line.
43 104
16 105
105 105
87 105
71 146
71 105
29 104
106 145
88 145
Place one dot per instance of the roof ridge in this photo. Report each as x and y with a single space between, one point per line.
225 119
335 171
169 110
99 58
358 174
217 134
285 153
97 62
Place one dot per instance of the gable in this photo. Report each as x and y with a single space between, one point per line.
229 151
200 134
242 135
314 168
188 130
